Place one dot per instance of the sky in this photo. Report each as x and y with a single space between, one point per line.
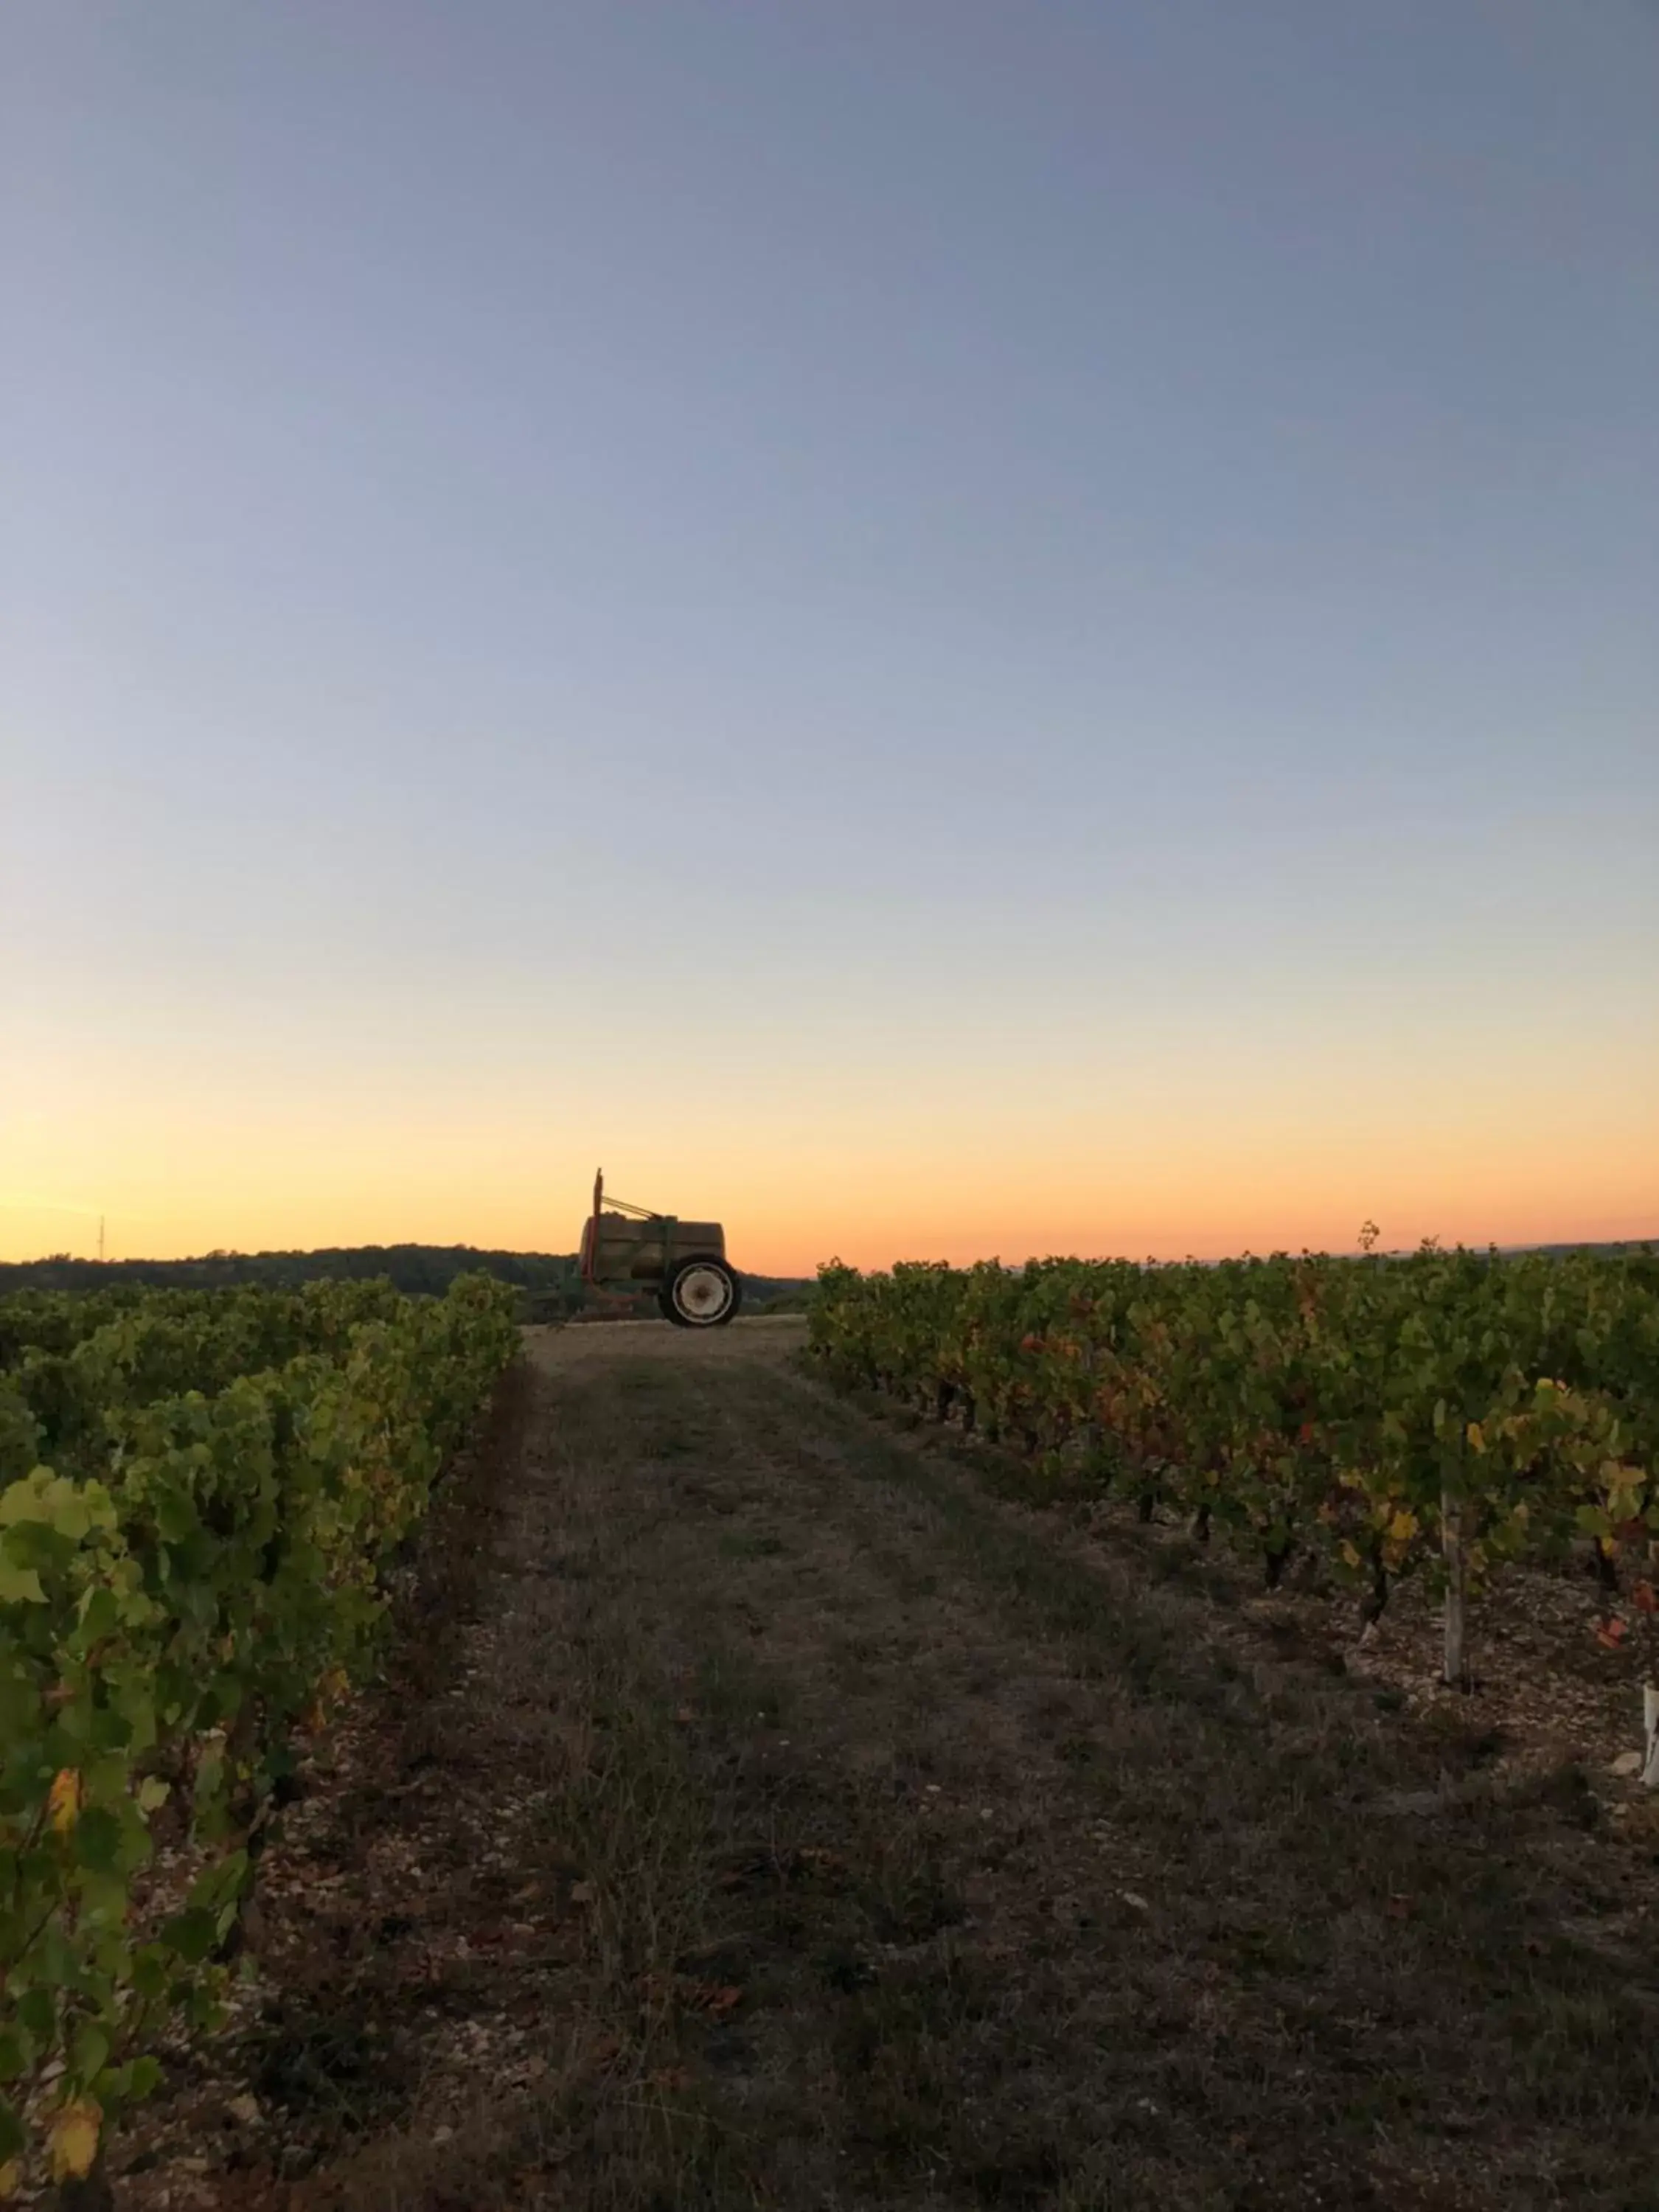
933 630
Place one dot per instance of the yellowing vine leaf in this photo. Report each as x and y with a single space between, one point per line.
64 1799
74 2139
1402 1527
19 1585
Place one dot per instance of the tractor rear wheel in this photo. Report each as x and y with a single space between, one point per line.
702 1294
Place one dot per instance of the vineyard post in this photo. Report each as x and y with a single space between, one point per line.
1650 1725
1457 1669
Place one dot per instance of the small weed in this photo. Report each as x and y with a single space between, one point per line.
746 1544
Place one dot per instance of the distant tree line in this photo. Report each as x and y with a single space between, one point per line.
550 1282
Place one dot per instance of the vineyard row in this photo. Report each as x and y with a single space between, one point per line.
200 1496
1437 1415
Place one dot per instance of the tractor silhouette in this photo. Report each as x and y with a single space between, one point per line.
631 1248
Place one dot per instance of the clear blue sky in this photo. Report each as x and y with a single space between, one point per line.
922 575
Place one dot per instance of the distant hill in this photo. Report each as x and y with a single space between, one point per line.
548 1278
1560 1251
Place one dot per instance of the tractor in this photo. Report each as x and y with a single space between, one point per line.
630 1248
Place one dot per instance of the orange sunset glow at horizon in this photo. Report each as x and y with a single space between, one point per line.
794 1194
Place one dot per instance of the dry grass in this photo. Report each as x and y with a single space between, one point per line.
769 1812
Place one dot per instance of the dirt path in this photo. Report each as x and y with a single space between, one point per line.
799 1825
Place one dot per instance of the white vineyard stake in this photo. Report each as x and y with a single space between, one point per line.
1651 1725
1456 1672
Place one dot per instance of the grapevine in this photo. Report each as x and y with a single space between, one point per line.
199 1495
1434 1414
